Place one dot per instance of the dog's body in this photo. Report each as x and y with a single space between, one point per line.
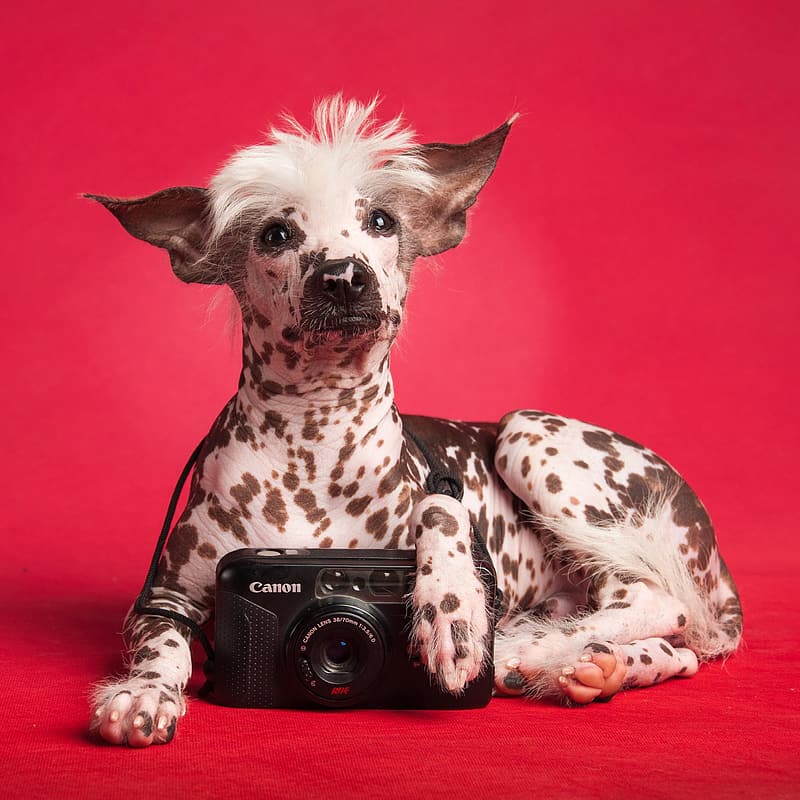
607 560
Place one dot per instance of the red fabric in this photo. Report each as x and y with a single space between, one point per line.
632 262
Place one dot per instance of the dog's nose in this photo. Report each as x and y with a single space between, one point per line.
342 281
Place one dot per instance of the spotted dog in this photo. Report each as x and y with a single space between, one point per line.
609 567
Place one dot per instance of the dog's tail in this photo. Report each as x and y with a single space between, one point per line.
646 545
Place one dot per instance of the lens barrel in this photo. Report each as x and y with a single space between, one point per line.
338 653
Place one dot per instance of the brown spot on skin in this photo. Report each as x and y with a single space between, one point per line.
629 661
355 508
449 603
290 480
459 630
553 483
620 593
145 653
681 621
309 462
308 502
403 502
666 648
350 489
429 612
345 233
378 523
334 490
171 643
600 440
645 659
274 510
596 647
502 462
425 569
310 428
245 491
353 544
326 542
181 544
618 605
391 480
273 421
526 466
596 516
207 550
551 451
581 464
461 547
437 517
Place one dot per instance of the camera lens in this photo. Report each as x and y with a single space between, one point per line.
339 651
339 655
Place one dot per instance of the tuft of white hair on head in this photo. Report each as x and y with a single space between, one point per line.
344 148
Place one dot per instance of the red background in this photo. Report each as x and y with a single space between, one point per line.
632 262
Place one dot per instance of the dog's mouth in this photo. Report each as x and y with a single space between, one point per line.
322 327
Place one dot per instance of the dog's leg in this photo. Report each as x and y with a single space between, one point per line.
609 510
143 707
588 657
449 601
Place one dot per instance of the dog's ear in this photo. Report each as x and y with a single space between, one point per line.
438 219
175 219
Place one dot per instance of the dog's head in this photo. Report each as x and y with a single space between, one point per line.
316 231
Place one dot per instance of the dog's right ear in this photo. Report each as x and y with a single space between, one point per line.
175 219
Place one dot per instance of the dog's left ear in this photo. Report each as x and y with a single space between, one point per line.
175 219
438 219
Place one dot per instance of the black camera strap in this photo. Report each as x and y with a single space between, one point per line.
140 606
438 482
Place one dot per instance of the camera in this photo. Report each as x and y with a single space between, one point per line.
303 628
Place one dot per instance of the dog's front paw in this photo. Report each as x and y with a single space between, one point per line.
451 625
136 713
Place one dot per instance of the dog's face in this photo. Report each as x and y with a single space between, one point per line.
316 232
326 270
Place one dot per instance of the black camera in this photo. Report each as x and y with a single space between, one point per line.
306 628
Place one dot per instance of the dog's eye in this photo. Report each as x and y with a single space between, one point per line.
277 234
380 222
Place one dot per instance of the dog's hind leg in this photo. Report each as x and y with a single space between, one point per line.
616 516
583 658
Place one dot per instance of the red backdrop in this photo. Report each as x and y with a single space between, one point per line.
632 262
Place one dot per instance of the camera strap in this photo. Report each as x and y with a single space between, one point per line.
140 606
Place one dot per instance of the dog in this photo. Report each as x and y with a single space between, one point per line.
608 564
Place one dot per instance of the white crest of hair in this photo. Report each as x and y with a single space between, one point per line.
642 546
345 149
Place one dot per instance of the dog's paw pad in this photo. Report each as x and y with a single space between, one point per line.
136 716
597 675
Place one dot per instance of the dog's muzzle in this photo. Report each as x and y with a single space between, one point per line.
341 295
